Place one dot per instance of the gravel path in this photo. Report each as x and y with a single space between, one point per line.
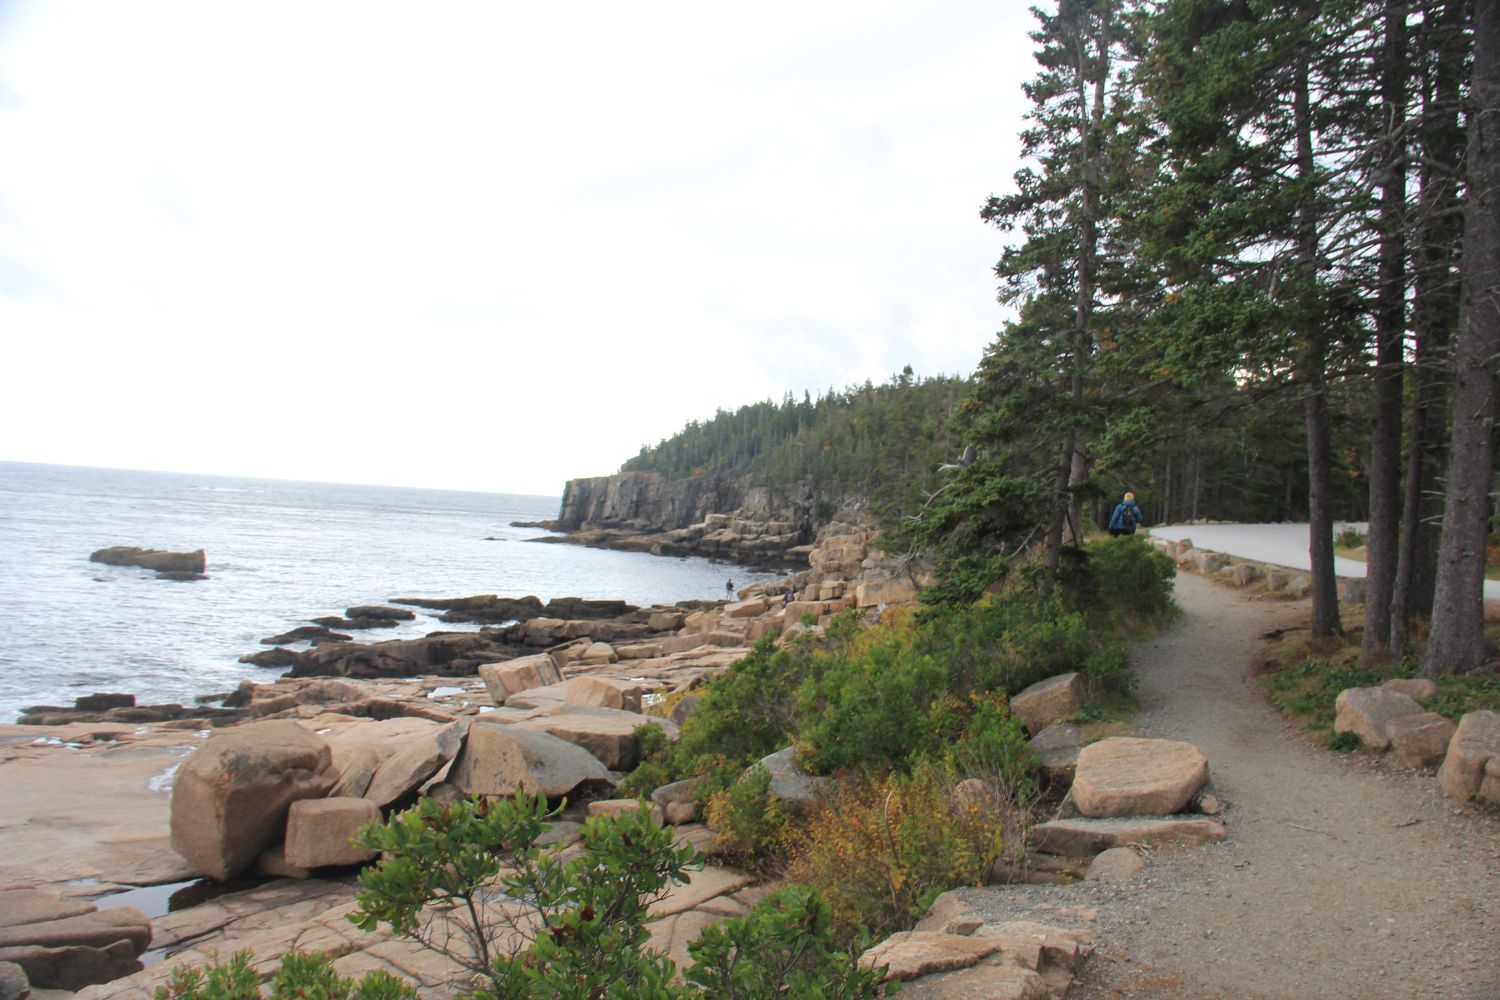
1340 877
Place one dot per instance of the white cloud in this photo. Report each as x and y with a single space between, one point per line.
481 245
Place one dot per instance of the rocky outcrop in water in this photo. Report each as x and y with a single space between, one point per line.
121 708
167 565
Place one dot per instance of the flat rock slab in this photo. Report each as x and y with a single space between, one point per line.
603 692
1127 776
910 954
1368 712
30 906
72 967
1084 838
989 981
1035 944
415 762
606 733
104 810
99 929
702 887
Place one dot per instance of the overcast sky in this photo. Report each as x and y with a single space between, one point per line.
486 246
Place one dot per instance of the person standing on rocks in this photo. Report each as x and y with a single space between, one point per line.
729 589
1126 518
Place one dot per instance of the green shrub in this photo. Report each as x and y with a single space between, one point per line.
742 715
585 918
749 821
747 712
1349 538
657 766
784 947
301 977
573 930
1115 580
1107 669
1344 742
993 746
866 704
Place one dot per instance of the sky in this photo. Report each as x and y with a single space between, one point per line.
488 246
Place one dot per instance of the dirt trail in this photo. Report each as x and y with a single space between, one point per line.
1340 878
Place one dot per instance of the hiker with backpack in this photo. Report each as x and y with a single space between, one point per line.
1125 518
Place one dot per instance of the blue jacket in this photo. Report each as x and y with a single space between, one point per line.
1118 520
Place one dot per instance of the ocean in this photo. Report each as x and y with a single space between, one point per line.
279 553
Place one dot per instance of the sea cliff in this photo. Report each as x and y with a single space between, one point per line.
720 517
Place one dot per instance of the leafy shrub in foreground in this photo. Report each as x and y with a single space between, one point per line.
301 977
783 947
568 929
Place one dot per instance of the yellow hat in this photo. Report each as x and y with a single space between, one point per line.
1130 496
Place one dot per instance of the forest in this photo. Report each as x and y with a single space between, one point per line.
1253 267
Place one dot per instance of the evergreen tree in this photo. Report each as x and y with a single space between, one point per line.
1036 377
1457 641
1260 215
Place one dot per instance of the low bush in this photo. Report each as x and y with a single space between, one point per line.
749 821
865 704
744 714
566 930
1115 581
784 947
301 977
881 849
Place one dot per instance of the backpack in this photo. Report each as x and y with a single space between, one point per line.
1129 516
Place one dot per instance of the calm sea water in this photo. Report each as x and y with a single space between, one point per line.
279 553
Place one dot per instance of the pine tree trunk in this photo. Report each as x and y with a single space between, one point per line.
1390 324
1434 317
1057 519
1457 640
1310 373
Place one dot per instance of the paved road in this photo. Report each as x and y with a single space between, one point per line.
1277 544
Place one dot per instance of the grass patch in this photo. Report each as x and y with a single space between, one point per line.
1303 676
1106 714
1360 553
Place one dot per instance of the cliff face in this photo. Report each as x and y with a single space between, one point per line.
718 517
646 501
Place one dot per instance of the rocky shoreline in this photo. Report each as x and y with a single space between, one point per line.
107 796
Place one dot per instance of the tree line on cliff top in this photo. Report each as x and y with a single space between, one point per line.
1253 260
